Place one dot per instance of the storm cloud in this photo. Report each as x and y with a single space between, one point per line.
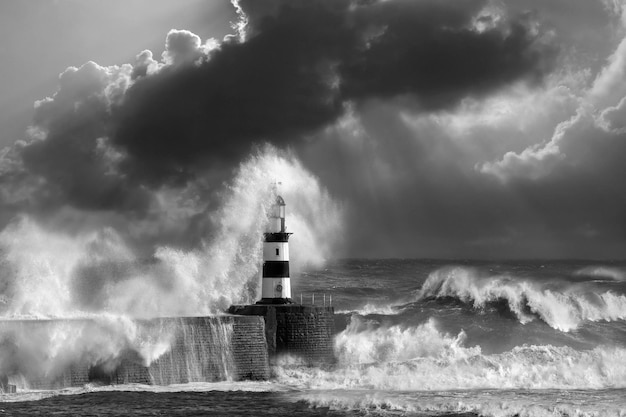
300 64
525 171
393 104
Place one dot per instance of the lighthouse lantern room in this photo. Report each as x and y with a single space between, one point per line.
276 284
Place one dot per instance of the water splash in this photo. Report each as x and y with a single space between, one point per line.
203 353
364 342
376 308
39 351
51 273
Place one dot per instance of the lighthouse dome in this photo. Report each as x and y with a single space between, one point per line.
280 201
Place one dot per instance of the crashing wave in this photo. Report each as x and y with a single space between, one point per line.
563 310
47 272
369 309
602 272
422 358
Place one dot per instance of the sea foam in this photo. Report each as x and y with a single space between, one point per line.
503 403
421 357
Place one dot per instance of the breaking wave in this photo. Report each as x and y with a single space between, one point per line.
562 309
48 273
51 273
615 274
370 308
422 358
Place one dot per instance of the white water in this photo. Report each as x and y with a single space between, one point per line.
50 273
203 354
47 348
611 273
423 358
565 309
370 308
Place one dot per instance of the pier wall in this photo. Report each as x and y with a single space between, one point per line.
164 351
304 332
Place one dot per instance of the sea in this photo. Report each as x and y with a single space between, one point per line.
419 338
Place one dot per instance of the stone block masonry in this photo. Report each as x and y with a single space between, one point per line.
164 351
301 331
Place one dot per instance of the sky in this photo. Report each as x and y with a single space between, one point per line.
424 128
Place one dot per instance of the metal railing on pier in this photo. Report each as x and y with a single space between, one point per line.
324 299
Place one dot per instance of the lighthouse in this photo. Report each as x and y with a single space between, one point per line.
298 330
276 285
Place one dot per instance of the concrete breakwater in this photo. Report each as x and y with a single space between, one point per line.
302 332
163 351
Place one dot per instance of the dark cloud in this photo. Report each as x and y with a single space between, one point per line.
274 87
113 138
72 155
301 63
440 52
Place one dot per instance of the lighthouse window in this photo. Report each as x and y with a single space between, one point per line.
277 252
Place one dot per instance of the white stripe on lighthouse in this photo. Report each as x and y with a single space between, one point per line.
276 288
275 251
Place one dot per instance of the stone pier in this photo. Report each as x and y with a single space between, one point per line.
304 332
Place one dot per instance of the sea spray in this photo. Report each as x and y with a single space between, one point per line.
364 342
202 352
46 349
563 309
48 273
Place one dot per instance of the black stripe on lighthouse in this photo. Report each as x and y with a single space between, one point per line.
276 269
277 237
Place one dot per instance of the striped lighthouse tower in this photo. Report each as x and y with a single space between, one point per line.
276 285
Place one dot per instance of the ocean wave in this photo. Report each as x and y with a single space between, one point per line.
362 342
564 309
422 358
611 273
369 308
482 403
